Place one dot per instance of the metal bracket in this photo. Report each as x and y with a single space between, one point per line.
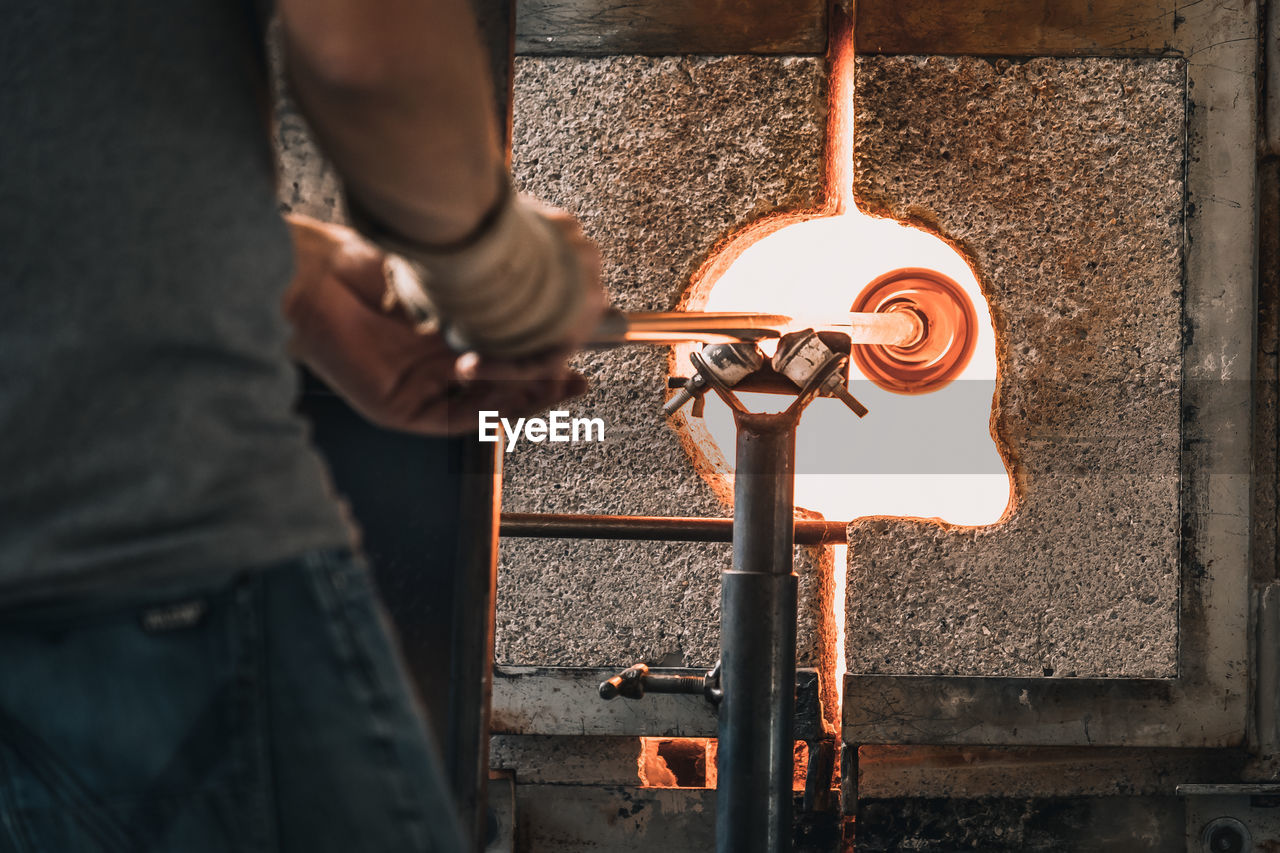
1232 818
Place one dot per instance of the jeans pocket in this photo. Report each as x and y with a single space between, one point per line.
46 807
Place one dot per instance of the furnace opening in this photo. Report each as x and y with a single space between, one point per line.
691 763
924 449
926 453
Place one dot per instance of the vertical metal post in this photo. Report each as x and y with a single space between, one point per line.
466 744
475 583
758 643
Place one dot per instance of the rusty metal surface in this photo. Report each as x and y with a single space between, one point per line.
535 700
1018 27
1032 711
1245 814
888 772
567 759
986 27
1265 737
566 701
502 808
1271 82
600 27
1017 825
1266 405
621 819
626 819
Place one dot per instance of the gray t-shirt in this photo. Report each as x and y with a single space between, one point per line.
146 424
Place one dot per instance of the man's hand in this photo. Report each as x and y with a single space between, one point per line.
372 356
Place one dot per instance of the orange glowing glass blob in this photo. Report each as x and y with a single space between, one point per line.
941 351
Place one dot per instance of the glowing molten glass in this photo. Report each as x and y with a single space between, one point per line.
942 349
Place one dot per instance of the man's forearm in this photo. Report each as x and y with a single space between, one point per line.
399 94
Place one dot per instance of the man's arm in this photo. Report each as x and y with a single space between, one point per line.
400 96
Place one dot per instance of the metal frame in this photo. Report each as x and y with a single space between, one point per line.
1208 704
565 701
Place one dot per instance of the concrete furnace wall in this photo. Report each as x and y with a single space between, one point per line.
1062 178
661 158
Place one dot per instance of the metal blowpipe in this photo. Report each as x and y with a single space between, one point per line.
890 328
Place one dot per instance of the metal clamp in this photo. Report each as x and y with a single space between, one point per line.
728 364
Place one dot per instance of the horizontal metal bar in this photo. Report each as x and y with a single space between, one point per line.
980 27
602 27
969 772
887 328
1018 27
963 710
522 525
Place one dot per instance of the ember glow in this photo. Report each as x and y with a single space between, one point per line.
666 762
677 762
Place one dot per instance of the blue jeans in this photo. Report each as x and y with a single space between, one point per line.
267 713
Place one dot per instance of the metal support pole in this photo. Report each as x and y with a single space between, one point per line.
476 579
758 643
475 583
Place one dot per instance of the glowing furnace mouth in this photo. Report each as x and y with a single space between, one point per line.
924 455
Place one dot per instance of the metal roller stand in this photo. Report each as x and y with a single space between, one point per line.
758 643
755 681
755 684
758 609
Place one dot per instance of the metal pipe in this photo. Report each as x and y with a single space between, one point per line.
475 591
758 643
521 525
899 328
888 328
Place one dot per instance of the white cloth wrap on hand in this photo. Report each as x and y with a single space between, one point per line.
517 290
